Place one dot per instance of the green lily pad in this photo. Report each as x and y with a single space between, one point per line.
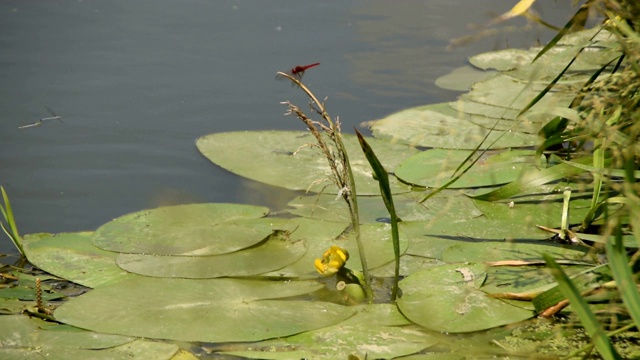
377 243
447 298
287 159
372 209
29 338
494 251
275 253
72 256
375 331
544 210
432 126
509 92
197 229
517 279
461 79
432 238
318 236
469 107
207 310
434 168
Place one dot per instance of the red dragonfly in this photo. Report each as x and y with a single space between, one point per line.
299 70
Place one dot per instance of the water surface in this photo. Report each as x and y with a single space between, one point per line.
138 81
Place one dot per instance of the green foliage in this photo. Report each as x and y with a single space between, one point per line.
591 324
385 190
11 229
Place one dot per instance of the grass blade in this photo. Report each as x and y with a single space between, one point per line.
12 231
580 306
622 274
578 19
385 190
532 180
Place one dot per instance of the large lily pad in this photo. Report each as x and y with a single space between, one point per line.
544 209
197 229
509 92
376 331
318 236
72 256
377 243
432 238
493 251
28 338
209 310
447 298
275 253
372 208
287 159
434 168
432 126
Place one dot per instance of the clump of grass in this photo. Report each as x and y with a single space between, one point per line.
605 141
10 228
327 133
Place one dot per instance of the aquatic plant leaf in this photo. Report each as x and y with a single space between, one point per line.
579 305
275 253
432 238
447 298
377 242
461 79
372 209
434 126
532 180
207 310
288 159
488 251
196 229
22 337
73 257
433 168
509 92
540 208
317 236
376 331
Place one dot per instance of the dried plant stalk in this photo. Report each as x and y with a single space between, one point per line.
329 139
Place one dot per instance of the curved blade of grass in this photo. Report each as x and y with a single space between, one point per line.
578 19
532 180
603 170
621 270
598 163
7 213
383 180
580 306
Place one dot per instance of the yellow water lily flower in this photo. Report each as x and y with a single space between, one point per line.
332 261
